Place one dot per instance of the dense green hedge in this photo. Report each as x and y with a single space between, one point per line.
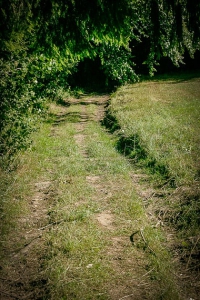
27 83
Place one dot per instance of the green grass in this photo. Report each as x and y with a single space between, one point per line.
83 259
157 125
129 210
165 117
18 179
78 262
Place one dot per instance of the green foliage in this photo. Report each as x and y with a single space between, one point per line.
16 26
26 85
117 64
19 105
41 44
167 27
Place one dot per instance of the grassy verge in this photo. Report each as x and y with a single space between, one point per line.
23 204
164 116
157 124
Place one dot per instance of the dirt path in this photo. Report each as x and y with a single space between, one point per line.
86 234
130 272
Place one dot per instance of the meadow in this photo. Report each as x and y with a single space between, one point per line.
162 118
157 123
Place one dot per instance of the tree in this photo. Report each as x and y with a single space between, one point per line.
42 42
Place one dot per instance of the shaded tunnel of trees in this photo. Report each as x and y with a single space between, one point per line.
89 75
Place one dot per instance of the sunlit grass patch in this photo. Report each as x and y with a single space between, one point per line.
100 146
165 116
18 187
158 128
76 265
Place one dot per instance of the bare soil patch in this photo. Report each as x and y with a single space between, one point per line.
106 219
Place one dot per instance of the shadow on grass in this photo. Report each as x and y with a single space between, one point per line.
63 102
173 77
56 120
132 148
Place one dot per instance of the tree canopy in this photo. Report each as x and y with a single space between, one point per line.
81 26
43 41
